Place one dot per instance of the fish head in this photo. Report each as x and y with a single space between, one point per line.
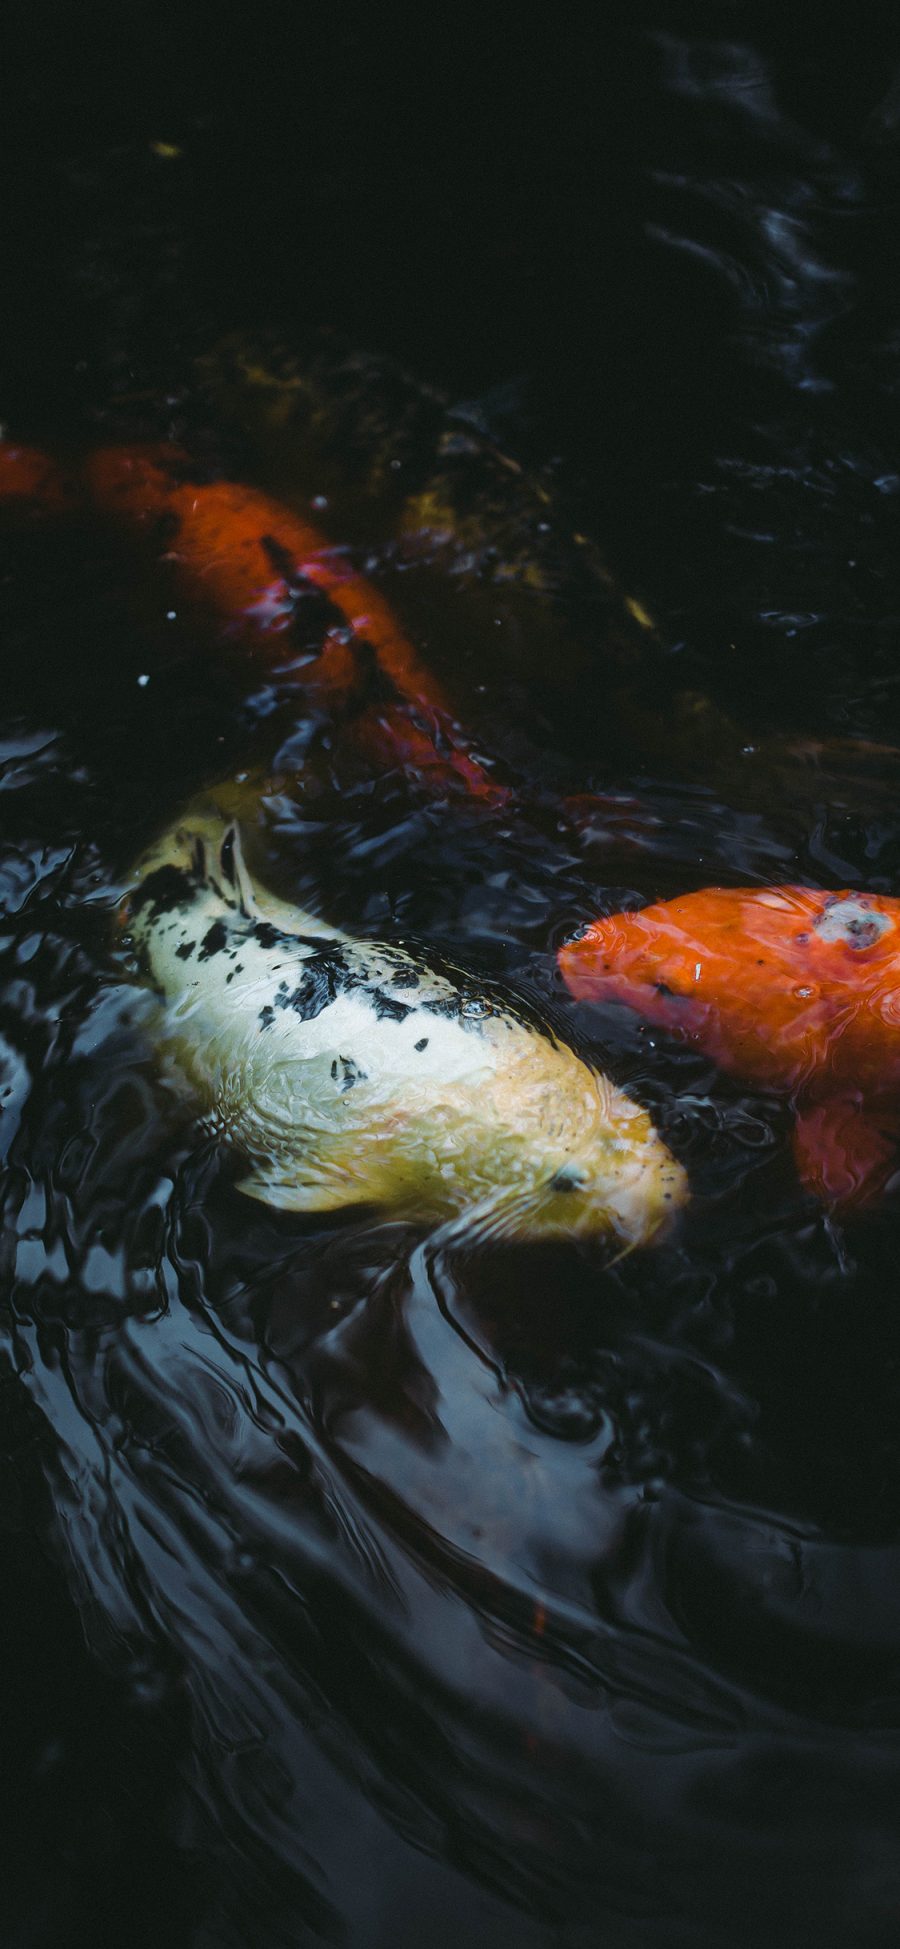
773 983
657 961
613 1180
623 1195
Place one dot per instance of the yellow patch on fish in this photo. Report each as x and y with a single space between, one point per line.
363 1072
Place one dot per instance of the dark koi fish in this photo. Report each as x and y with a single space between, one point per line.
789 988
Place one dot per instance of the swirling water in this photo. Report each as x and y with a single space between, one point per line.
366 1591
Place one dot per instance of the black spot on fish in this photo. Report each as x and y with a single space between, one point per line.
319 943
351 1072
213 940
267 935
266 1016
455 1008
226 857
375 685
422 1043
447 1006
185 951
472 999
169 887
387 1008
862 932
311 608
320 983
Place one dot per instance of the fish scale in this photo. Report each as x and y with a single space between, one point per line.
789 988
364 1072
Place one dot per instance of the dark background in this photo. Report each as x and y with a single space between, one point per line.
661 239
479 196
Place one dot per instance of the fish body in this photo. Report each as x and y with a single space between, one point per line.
267 581
266 576
353 1072
791 989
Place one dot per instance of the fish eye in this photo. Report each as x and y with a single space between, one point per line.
570 1177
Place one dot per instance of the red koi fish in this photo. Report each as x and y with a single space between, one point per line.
246 562
789 988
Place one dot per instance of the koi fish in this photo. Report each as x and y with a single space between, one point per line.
253 567
361 1072
788 988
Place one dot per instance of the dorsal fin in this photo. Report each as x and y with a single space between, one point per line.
234 871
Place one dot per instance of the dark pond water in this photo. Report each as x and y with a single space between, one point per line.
353 1594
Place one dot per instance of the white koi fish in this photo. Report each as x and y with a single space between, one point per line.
361 1072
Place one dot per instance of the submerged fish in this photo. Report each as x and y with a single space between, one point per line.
786 987
355 1072
265 578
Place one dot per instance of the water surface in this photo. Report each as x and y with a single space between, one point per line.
364 1592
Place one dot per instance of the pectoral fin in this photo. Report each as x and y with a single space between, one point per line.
294 1194
846 1150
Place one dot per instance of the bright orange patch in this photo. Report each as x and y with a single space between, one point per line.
789 988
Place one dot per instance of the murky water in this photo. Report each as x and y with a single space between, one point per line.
362 1591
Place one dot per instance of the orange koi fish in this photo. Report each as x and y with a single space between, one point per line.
791 989
247 562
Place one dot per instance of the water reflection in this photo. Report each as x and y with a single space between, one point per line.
534 1570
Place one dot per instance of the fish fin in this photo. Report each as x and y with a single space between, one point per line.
234 870
289 1194
846 1151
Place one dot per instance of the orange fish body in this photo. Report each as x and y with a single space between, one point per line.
249 561
246 562
791 989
